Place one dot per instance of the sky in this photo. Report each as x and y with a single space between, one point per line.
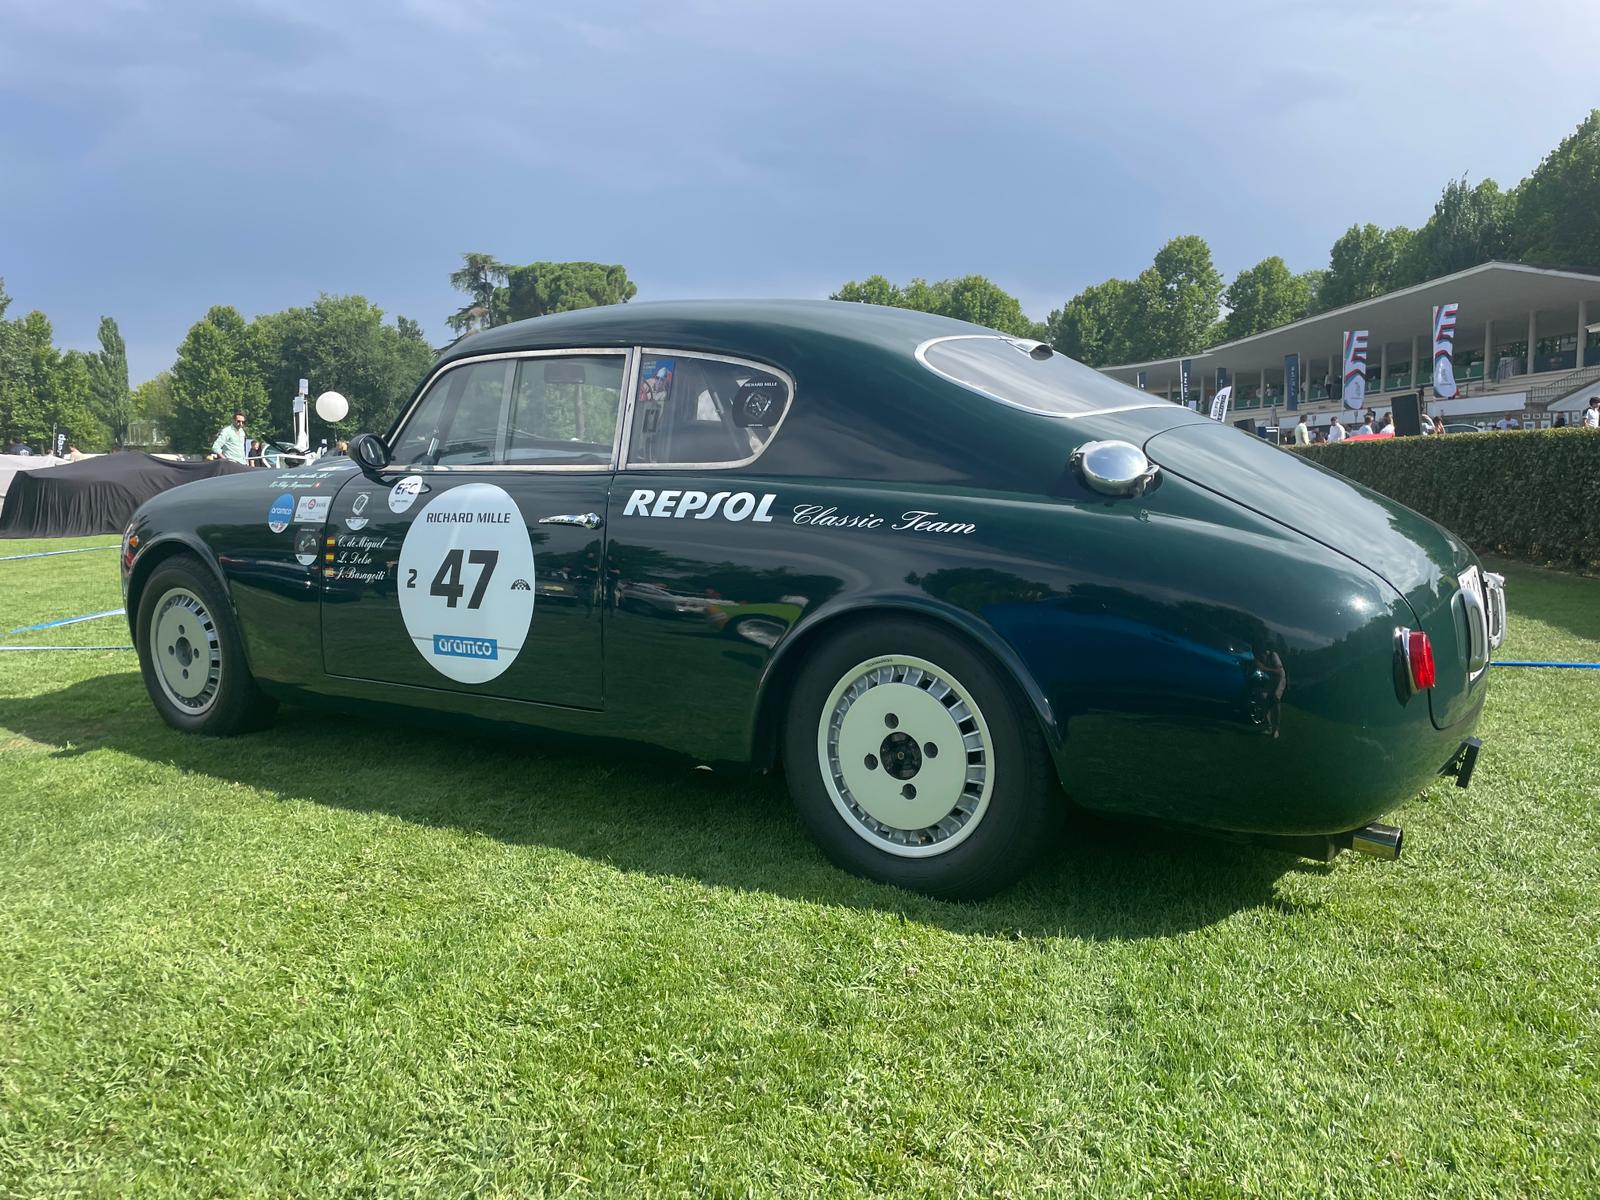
158 158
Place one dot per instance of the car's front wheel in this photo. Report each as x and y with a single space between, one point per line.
913 761
191 655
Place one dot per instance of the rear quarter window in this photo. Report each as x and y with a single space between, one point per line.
1030 375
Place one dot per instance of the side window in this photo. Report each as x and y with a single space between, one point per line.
564 410
703 410
458 422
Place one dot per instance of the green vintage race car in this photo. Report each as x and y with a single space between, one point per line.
942 577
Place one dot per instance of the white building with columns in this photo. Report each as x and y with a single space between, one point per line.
1527 342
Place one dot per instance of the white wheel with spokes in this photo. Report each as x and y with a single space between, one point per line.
914 759
190 652
185 651
905 754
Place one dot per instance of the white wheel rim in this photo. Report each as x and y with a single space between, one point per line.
873 745
185 652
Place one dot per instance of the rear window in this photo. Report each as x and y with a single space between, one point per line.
1028 375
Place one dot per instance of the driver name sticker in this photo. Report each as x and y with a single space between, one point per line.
404 493
466 582
280 513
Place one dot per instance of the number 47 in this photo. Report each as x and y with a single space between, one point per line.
447 582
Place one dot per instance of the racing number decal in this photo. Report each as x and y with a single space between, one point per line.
466 591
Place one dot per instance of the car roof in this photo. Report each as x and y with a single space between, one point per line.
728 324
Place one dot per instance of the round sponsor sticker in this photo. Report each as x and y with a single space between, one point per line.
306 546
404 494
466 582
281 513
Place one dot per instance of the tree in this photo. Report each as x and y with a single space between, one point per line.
70 401
213 377
37 362
874 289
341 344
1557 222
153 400
1096 325
1469 225
108 374
1363 263
970 298
1176 300
551 287
11 368
481 276
1263 297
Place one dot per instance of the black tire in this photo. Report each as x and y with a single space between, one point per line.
1009 828
184 598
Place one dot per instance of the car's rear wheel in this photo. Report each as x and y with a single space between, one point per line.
191 655
914 761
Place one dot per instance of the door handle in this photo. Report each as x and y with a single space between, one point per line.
586 520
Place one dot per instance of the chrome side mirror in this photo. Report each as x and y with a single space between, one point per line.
368 450
1115 468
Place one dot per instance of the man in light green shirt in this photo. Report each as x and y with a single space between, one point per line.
231 443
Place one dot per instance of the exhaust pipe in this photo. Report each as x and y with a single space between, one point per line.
1376 839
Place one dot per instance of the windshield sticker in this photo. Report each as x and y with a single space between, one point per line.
702 506
281 513
466 574
404 494
655 380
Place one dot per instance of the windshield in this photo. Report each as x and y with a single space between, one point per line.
1029 375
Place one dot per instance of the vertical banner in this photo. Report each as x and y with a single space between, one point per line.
1291 380
1219 403
1183 379
1355 368
1444 347
1143 378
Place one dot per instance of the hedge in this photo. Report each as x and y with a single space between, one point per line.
1531 494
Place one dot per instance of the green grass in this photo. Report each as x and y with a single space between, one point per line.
344 958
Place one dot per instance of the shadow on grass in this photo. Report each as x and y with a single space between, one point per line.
640 814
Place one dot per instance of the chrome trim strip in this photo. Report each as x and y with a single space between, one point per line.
732 464
630 367
922 357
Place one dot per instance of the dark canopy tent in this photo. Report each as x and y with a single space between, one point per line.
97 495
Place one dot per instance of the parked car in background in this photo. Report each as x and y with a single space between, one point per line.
947 580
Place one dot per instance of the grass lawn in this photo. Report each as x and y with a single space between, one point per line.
345 958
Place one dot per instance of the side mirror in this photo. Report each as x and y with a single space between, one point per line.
368 450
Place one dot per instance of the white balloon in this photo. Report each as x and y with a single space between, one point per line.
331 407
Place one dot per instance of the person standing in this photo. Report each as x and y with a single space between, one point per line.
1302 432
1336 429
1591 415
231 443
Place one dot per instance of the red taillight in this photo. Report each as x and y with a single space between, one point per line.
1419 660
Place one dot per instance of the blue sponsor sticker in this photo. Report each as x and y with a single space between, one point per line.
465 647
281 513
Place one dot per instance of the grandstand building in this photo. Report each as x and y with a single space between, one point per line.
1527 343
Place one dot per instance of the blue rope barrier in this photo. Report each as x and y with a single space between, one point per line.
110 612
48 553
1571 666
3 649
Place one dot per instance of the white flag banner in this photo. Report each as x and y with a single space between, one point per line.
1220 402
1444 348
1355 368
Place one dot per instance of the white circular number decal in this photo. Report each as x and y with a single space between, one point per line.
466 582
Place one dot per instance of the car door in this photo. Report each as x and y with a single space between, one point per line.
474 561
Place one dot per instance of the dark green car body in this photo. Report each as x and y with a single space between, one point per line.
1218 652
